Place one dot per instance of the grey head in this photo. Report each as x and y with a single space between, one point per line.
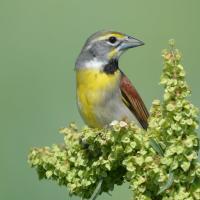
103 47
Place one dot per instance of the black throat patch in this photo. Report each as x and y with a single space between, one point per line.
111 67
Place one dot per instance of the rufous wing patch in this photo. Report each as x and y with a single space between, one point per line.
133 101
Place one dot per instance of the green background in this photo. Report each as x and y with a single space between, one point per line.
39 42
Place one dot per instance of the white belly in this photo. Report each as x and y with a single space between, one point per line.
113 108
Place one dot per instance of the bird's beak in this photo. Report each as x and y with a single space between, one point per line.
130 42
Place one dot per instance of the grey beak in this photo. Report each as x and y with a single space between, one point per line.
130 42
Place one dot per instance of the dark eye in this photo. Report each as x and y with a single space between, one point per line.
112 39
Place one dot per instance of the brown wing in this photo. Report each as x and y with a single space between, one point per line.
133 101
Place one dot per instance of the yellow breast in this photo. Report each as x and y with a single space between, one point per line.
91 85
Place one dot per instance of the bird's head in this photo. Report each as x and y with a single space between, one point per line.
104 46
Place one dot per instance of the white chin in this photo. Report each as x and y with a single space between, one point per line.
94 64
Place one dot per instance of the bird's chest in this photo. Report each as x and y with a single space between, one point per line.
93 90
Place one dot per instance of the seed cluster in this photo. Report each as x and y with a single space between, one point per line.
92 161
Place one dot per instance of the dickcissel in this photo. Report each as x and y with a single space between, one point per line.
104 93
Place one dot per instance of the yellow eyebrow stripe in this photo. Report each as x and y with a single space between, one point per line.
117 35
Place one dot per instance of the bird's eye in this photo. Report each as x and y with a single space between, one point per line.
112 39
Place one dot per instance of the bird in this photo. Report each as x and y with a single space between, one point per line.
103 91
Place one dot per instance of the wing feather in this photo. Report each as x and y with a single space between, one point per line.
133 101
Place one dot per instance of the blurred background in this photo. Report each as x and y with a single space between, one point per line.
39 43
